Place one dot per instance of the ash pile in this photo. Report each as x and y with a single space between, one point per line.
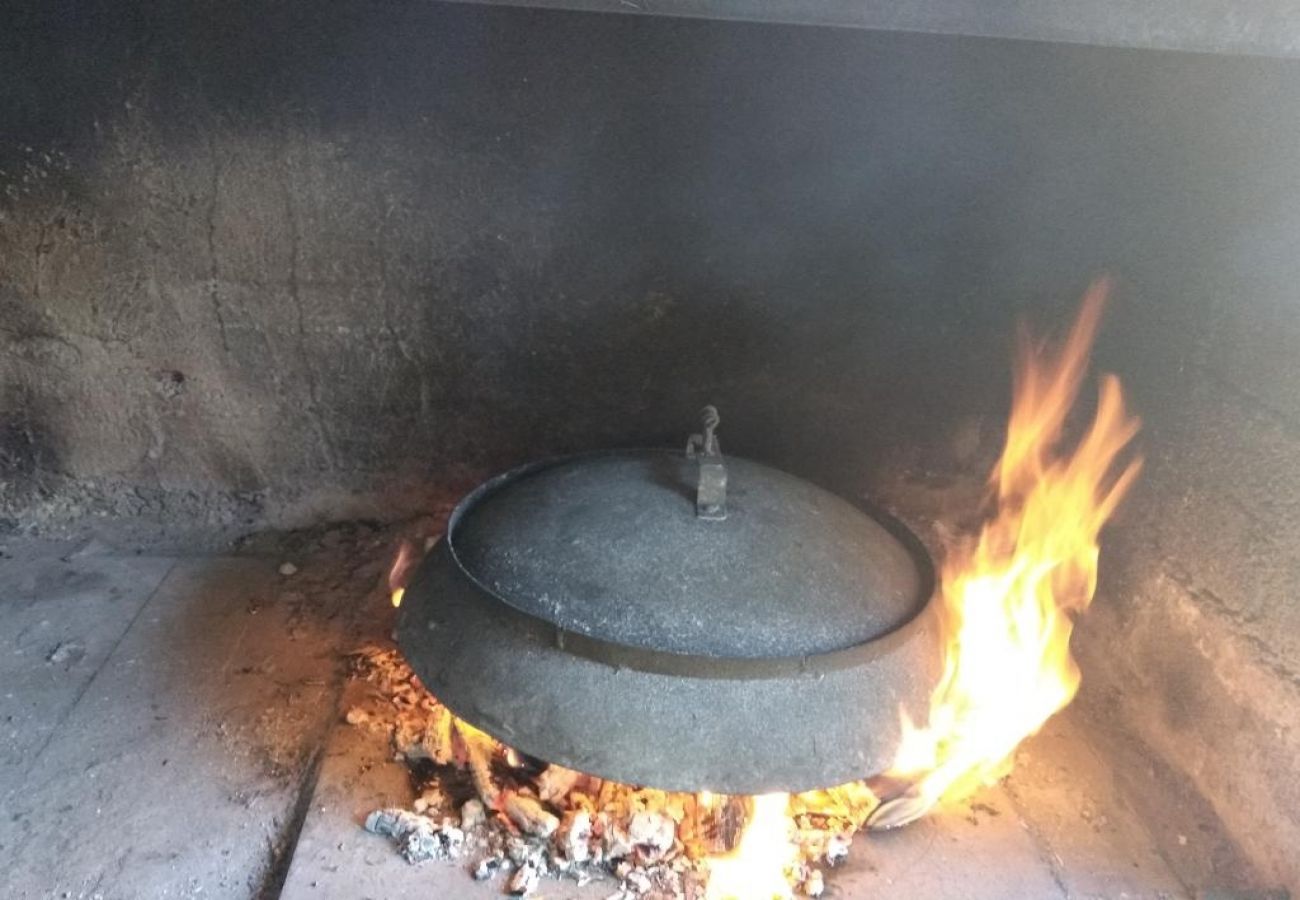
507 816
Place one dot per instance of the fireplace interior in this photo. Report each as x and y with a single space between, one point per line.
280 284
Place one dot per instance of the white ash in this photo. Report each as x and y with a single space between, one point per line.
837 848
69 652
428 841
652 835
488 867
575 836
616 842
418 837
638 882
391 822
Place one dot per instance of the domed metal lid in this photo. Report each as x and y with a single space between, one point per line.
610 546
583 609
679 553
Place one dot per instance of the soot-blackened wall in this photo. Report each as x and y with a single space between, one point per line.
275 262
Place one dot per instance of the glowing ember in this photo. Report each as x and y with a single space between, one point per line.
400 571
757 870
1008 599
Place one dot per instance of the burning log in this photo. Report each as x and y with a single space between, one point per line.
438 736
529 816
556 782
477 750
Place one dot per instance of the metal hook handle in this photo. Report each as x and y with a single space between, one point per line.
711 491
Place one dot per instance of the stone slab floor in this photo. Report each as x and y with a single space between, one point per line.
169 727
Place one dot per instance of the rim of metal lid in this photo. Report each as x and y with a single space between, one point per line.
625 656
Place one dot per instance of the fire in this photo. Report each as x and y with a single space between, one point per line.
757 870
1009 598
400 571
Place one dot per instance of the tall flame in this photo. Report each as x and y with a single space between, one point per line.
1009 598
757 868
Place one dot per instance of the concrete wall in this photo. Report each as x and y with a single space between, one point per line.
1195 638
261 261
274 263
265 265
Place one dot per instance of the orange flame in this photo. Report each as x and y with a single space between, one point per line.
1008 599
400 571
757 868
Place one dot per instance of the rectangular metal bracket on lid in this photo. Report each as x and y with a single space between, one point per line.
711 492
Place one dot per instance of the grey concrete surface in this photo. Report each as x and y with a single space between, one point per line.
196 749
167 760
1195 638
1175 668
64 608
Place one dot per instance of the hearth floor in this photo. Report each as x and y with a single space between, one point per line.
170 727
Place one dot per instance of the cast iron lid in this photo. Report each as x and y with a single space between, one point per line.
676 620
610 547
